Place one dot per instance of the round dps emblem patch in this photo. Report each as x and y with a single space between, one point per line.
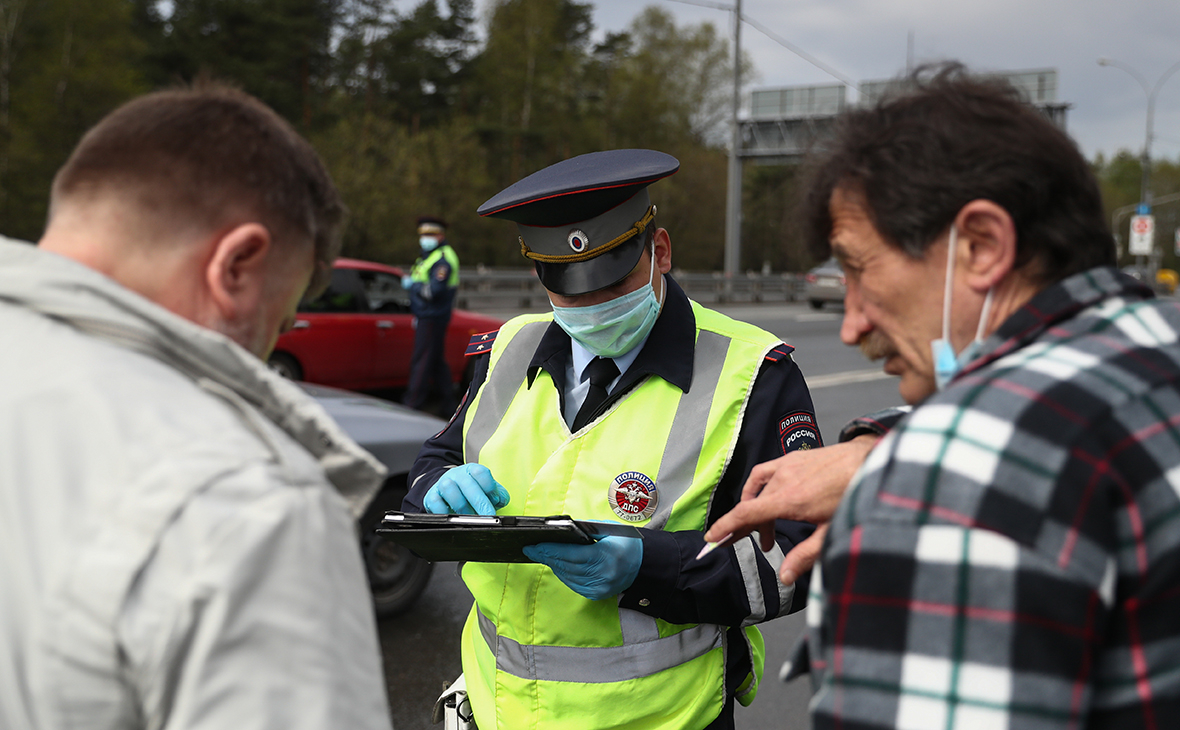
633 496
577 240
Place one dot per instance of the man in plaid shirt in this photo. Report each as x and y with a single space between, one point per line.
1008 556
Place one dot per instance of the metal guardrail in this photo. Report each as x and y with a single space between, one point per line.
510 288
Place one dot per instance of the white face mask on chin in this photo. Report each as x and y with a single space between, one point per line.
946 363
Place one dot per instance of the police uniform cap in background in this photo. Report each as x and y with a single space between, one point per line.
428 225
582 221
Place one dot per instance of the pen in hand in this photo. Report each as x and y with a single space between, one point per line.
711 546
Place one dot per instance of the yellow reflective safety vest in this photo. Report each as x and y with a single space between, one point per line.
538 655
420 274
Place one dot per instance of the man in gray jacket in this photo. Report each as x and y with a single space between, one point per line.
176 523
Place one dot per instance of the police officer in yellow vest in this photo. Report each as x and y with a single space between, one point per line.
432 284
631 403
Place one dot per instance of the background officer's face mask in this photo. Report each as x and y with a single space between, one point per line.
612 328
428 243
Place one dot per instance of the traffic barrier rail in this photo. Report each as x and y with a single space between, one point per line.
485 288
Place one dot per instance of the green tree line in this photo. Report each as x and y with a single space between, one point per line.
419 107
414 110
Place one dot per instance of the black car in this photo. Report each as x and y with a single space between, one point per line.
394 434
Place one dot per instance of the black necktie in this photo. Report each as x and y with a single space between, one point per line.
602 371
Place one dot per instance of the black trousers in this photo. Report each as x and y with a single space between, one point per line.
429 373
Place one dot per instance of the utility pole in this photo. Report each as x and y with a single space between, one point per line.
733 197
1145 165
733 201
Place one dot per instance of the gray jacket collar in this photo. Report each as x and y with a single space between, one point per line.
65 290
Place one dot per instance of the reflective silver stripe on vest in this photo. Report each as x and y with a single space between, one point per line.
747 557
637 627
596 665
500 388
687 437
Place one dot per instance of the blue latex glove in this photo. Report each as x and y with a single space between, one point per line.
407 282
604 569
469 489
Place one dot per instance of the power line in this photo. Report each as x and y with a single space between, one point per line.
703 4
799 51
777 39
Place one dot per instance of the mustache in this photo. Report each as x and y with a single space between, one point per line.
876 346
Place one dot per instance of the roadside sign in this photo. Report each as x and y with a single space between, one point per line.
1143 209
1142 234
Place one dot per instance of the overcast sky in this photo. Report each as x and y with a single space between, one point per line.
867 40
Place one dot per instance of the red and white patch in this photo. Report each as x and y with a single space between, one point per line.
633 496
797 432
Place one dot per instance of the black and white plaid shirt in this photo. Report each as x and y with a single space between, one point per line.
1009 555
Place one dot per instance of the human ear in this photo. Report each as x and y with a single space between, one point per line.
663 252
990 236
235 274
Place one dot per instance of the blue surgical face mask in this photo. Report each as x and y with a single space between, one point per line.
946 363
612 328
428 243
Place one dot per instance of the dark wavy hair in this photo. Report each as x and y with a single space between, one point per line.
946 138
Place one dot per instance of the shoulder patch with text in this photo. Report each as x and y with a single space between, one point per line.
797 431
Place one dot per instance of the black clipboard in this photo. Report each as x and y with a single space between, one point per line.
494 539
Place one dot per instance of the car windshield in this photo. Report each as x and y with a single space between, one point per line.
358 290
384 292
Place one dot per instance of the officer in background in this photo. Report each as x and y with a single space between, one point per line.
432 284
626 403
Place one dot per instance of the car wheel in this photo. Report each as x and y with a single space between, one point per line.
397 577
816 304
285 365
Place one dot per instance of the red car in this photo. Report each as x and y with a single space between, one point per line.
359 334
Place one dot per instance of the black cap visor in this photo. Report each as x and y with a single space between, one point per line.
599 272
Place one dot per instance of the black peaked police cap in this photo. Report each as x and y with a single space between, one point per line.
582 220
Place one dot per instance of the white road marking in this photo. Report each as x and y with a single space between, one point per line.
852 376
